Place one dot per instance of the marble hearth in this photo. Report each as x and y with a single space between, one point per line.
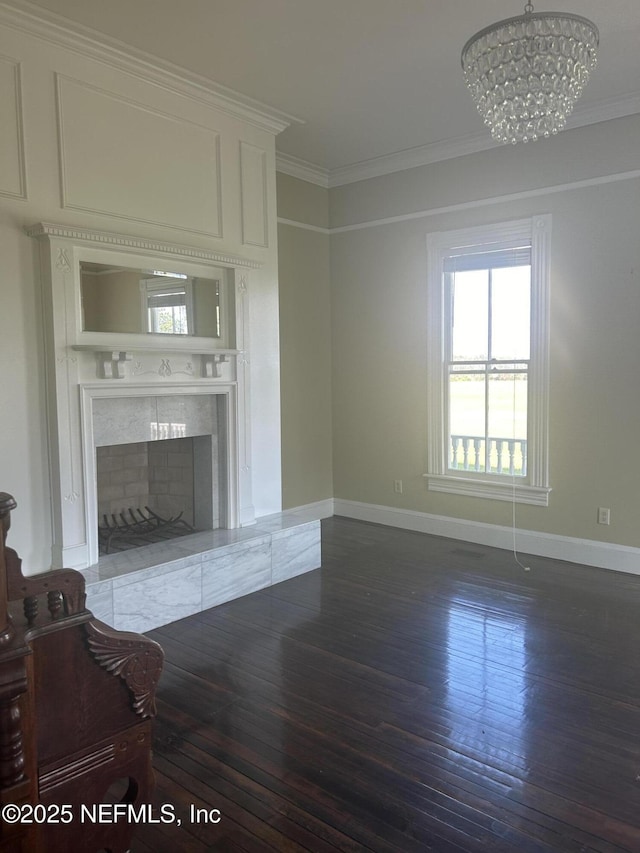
151 586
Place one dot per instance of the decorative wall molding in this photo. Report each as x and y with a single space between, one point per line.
604 555
98 167
55 29
254 205
60 31
467 205
303 225
13 168
483 202
125 241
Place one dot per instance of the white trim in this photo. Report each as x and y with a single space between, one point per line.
126 241
604 555
522 493
606 109
64 84
447 149
71 373
309 512
287 164
20 135
61 31
483 202
440 244
538 192
303 225
411 158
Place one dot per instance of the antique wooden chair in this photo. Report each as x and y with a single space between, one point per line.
76 703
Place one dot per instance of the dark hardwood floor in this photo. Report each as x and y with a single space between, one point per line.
414 694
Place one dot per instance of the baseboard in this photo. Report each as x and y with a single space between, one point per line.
313 511
604 555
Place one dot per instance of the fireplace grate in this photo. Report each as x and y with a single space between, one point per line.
119 533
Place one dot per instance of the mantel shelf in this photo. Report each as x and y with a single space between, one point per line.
112 359
155 347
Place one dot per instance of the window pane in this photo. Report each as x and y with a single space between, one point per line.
510 312
168 320
470 319
508 423
466 422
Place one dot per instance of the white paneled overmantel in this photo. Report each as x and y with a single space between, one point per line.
186 371
126 159
126 138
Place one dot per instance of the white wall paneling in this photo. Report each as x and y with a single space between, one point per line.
13 178
253 190
126 160
107 142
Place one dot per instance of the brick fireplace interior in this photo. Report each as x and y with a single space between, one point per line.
174 477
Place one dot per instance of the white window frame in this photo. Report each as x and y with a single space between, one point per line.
534 488
158 287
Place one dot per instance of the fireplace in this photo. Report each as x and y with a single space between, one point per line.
146 492
125 382
170 483
158 476
129 387
160 464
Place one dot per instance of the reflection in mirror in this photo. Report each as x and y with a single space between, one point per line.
117 299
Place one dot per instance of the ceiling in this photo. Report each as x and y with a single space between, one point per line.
367 78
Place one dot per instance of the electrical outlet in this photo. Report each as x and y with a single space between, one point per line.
397 487
604 515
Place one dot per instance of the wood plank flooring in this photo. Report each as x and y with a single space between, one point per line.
415 694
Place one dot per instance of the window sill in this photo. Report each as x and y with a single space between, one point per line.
492 490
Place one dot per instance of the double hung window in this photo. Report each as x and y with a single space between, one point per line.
488 354
169 306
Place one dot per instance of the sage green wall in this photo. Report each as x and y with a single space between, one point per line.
380 326
375 316
305 344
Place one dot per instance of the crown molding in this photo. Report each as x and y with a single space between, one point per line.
55 29
58 30
298 168
411 158
605 109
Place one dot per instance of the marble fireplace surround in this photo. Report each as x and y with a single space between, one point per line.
150 586
156 584
112 416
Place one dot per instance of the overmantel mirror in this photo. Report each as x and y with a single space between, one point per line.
154 300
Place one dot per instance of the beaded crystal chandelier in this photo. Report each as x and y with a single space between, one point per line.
526 73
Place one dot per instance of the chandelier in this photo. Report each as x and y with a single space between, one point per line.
526 73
